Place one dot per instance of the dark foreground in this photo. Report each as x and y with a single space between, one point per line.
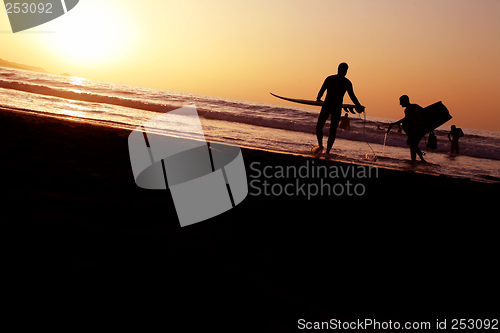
84 243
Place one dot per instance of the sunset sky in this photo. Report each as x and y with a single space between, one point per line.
431 50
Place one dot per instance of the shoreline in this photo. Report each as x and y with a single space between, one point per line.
332 157
398 250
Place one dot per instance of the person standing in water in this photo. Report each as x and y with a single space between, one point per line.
344 122
413 125
336 87
455 134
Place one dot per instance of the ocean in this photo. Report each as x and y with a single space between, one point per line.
287 129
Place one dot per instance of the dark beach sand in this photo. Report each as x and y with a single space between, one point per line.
84 242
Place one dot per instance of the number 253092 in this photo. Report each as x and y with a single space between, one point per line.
26 8
486 324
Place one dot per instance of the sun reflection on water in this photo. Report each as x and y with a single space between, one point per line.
77 81
74 110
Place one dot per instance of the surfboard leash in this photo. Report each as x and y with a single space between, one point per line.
375 157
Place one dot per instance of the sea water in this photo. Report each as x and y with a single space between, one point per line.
289 129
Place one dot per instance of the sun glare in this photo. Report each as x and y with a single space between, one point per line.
72 109
90 35
77 81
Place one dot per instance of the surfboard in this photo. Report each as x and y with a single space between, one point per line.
347 107
435 115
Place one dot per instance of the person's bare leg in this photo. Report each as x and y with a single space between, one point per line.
419 153
323 117
334 123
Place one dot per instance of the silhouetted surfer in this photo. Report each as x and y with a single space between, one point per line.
455 134
413 124
336 87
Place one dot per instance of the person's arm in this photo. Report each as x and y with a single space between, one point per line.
395 123
353 97
360 108
322 90
449 136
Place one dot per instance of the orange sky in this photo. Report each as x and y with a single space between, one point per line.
430 50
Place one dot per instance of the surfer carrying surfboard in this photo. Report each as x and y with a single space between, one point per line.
336 87
413 125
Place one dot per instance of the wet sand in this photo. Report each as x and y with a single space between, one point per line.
82 235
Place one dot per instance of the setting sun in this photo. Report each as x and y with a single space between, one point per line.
90 36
